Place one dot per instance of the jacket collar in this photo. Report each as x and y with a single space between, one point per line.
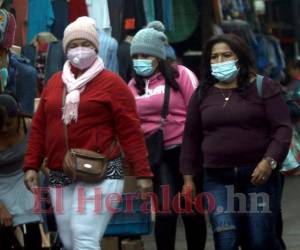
156 77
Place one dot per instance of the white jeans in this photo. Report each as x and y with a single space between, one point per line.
82 228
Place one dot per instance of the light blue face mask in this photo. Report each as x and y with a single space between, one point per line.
3 77
225 71
143 67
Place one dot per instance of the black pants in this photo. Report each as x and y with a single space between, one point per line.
32 237
279 223
168 175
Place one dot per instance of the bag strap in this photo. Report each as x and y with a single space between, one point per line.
259 85
65 126
66 129
165 109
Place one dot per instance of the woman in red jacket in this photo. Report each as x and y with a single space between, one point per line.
98 109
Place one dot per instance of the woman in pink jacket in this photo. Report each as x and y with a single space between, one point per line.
152 73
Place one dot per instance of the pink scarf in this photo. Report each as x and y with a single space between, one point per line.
75 86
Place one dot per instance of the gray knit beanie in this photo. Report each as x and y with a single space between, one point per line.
157 25
150 41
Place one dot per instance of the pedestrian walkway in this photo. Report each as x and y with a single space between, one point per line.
291 216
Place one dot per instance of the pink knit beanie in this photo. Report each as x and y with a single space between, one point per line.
82 28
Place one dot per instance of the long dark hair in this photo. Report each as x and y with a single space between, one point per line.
245 61
169 72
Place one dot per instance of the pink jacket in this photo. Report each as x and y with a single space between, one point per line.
150 104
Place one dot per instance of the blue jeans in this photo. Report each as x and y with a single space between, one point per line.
243 214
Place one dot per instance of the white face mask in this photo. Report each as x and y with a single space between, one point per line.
225 71
82 57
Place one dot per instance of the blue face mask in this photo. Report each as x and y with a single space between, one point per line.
143 67
3 77
225 71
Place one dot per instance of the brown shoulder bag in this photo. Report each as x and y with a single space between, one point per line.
82 164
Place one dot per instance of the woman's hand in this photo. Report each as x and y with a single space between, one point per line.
261 173
144 185
5 216
31 180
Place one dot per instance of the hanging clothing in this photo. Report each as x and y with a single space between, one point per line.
158 4
262 55
168 14
116 16
161 10
21 10
134 16
61 14
40 65
38 49
149 10
242 29
277 59
40 17
22 81
77 8
235 9
124 58
98 9
55 58
186 20
108 51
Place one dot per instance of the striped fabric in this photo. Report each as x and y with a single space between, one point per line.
108 51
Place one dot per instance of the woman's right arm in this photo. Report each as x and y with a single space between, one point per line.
190 158
36 144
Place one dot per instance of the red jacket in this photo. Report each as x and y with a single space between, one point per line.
107 110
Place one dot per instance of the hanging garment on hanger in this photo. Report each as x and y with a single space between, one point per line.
241 28
40 17
98 10
124 59
261 55
149 10
134 17
168 15
276 57
108 51
54 56
21 10
159 10
22 81
77 8
186 20
116 17
61 14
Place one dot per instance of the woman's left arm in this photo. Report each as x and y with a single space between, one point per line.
278 117
277 114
